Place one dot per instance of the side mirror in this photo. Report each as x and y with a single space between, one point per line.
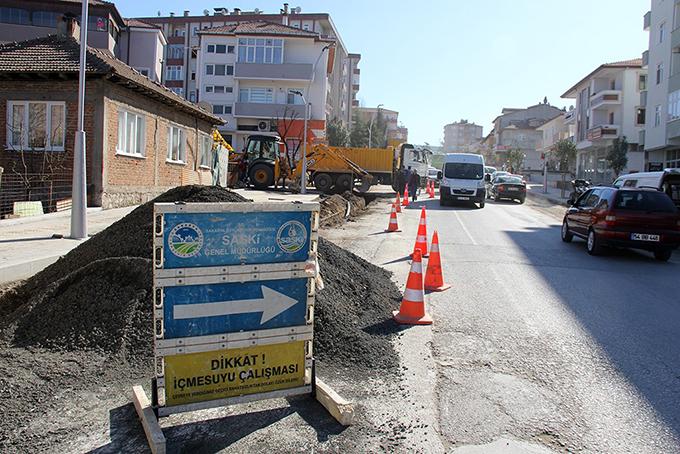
487 178
439 175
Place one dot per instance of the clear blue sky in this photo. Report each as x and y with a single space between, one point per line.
440 61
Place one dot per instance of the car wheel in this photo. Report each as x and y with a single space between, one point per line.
521 201
443 202
497 198
567 236
481 204
663 255
593 243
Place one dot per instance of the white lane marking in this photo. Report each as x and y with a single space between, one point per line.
467 232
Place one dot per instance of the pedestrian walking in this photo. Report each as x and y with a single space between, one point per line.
413 183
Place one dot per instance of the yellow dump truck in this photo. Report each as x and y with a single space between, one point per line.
330 169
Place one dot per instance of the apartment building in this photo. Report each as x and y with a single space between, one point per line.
257 76
608 107
136 43
182 31
554 131
395 134
459 136
516 129
660 95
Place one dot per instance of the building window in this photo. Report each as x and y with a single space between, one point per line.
611 118
206 150
14 16
176 144
231 49
178 32
143 71
674 105
260 50
221 109
178 91
97 24
175 51
45 19
208 89
294 98
35 125
192 96
662 30
640 116
211 48
659 73
256 95
193 76
131 131
209 70
220 70
657 115
673 159
642 82
194 32
221 49
174 73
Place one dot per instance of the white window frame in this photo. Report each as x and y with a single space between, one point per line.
173 131
269 94
662 32
205 147
123 142
246 45
657 115
141 70
25 134
174 70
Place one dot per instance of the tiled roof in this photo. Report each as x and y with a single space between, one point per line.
53 55
633 63
140 24
259 28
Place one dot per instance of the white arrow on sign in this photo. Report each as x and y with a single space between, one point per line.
271 304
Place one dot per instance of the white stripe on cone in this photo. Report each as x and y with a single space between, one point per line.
417 268
421 239
414 296
434 248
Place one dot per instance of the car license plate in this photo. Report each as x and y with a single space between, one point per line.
644 237
513 189
463 198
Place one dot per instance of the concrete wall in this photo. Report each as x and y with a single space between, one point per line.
143 48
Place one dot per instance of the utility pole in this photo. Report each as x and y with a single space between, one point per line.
370 127
79 189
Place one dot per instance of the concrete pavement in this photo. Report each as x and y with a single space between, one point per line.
538 344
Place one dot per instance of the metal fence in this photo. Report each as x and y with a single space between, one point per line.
20 194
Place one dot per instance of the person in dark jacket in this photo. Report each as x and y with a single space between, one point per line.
413 184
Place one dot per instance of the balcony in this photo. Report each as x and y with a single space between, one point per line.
675 40
268 71
570 117
603 132
260 110
673 132
647 21
645 59
605 98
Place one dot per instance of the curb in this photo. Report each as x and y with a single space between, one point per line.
24 270
548 197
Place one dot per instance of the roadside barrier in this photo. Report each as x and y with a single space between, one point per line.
393 226
421 237
405 202
434 280
412 309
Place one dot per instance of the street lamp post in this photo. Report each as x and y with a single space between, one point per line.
370 127
79 189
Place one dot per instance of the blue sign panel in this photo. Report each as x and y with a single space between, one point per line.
230 238
202 310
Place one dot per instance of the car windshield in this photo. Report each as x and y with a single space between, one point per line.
509 180
464 171
644 201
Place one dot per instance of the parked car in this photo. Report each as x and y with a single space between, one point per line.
632 218
667 181
432 174
510 187
462 179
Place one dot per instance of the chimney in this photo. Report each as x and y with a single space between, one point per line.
284 13
69 26
172 14
237 11
186 13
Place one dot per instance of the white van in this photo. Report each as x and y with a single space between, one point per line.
667 181
462 179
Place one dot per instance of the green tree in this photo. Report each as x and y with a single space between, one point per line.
337 133
565 152
617 155
358 137
515 159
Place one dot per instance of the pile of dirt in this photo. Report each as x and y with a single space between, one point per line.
334 208
353 315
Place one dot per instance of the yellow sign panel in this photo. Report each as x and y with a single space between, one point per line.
197 377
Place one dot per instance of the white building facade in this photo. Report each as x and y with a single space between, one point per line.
608 107
257 75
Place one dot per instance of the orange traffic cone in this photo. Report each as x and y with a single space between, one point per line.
421 237
412 309
431 187
397 203
393 226
434 280
405 202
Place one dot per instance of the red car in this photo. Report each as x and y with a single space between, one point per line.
621 217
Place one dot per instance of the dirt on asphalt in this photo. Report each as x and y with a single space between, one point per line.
85 323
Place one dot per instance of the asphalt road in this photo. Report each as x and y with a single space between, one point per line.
538 344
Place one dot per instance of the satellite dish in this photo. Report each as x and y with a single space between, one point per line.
297 10
206 12
256 10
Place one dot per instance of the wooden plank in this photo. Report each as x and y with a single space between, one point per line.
339 408
154 433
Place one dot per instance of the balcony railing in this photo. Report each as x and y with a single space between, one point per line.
603 132
261 110
647 20
269 71
605 98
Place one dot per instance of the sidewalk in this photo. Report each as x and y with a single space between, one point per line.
28 245
554 195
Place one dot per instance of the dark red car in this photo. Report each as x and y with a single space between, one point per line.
620 217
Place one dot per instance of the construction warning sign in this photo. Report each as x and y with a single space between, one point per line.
221 374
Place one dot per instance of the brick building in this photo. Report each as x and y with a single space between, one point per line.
141 138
